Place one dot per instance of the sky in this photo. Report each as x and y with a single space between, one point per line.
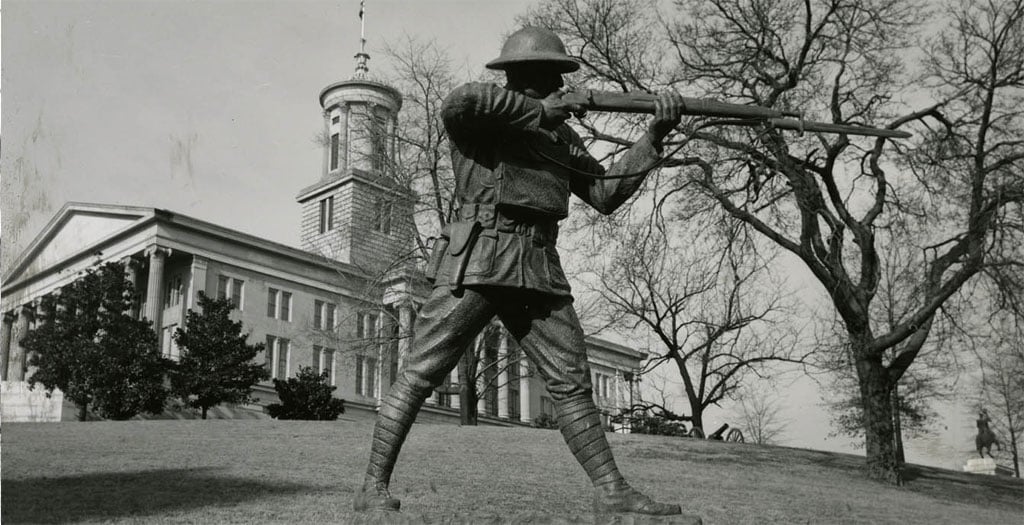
210 108
206 108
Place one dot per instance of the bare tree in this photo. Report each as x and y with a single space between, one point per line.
759 413
1001 385
695 295
954 192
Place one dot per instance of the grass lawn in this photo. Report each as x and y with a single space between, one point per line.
265 471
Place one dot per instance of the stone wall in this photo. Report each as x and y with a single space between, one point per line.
19 403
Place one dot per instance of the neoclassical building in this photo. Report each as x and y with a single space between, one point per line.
340 303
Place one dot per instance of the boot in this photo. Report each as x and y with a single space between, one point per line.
396 415
580 424
377 497
617 497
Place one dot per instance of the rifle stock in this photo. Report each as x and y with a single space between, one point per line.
636 102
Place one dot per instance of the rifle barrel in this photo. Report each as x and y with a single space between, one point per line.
638 102
825 127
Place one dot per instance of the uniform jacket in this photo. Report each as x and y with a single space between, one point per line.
509 179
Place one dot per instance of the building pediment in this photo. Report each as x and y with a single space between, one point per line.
75 229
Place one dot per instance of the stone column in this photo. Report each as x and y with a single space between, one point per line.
393 134
34 319
344 137
16 363
154 289
131 274
503 375
405 333
197 282
481 352
327 142
381 370
525 415
453 378
5 342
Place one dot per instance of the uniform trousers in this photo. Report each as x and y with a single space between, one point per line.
545 326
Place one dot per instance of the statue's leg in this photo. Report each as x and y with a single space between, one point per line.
549 331
444 328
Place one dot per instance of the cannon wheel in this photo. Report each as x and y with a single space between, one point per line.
734 436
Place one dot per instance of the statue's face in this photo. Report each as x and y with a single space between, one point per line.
535 79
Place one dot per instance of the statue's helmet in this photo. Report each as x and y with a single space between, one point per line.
534 44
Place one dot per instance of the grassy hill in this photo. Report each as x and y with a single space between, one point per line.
260 471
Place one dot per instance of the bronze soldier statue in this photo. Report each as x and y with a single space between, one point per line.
515 163
985 438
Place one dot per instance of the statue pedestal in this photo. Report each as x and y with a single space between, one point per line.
981 466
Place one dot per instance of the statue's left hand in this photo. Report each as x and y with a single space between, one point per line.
668 112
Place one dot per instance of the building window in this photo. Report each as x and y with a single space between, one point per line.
513 404
382 215
366 325
602 384
170 346
327 214
323 315
366 375
278 356
230 287
286 306
371 376
283 357
335 150
393 369
323 361
172 293
335 119
272 302
547 406
359 374
513 365
279 304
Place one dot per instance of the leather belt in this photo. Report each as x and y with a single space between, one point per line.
543 231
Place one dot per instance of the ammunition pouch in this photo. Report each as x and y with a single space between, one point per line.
437 251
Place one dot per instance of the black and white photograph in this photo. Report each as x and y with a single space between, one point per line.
512 261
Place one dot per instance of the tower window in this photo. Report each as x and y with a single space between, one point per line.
335 150
335 119
382 216
379 135
327 214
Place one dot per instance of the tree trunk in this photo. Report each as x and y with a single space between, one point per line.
204 412
875 392
467 389
897 426
698 417
1013 450
83 411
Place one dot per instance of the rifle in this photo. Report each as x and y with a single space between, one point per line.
635 102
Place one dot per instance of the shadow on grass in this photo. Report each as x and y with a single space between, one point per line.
111 495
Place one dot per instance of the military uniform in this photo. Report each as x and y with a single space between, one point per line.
511 178
498 258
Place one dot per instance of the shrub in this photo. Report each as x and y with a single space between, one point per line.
306 396
544 420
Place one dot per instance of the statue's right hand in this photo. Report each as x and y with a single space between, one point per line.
556 111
